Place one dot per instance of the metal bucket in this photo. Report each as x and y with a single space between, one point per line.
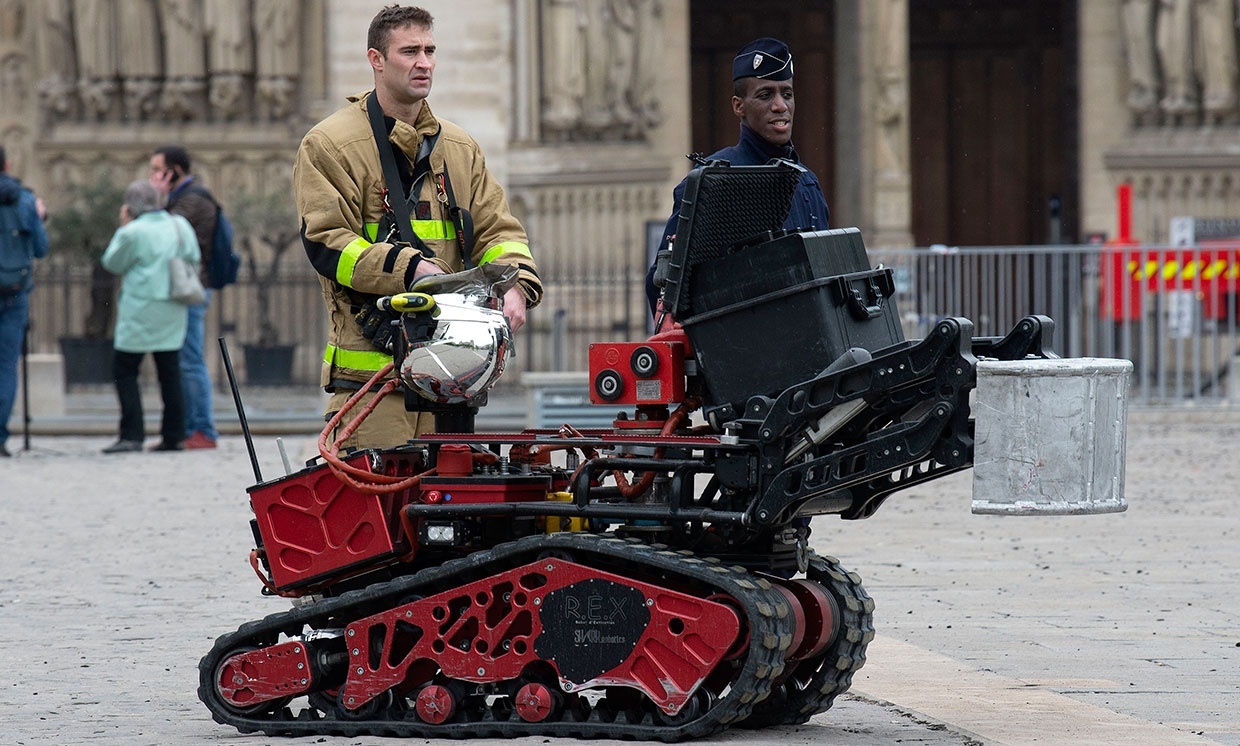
1050 436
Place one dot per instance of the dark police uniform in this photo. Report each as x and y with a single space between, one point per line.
809 209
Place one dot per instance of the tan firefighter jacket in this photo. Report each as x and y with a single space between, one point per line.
339 187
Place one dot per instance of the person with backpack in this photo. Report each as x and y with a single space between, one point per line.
187 197
22 240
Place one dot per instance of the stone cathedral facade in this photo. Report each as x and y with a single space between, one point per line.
583 106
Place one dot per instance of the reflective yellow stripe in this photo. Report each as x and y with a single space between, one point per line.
427 230
355 359
348 260
434 230
508 247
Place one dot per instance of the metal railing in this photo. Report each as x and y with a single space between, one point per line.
1176 320
1158 306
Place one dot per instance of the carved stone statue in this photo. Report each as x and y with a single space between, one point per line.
563 66
1197 49
891 105
95 34
649 58
139 61
55 58
608 33
1216 59
185 75
15 85
598 66
12 20
230 57
1138 23
277 53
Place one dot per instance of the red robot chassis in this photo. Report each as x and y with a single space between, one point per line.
651 580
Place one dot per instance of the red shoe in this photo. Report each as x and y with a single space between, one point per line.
199 439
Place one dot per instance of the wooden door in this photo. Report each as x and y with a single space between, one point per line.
719 28
992 120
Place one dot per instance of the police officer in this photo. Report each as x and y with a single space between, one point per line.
763 102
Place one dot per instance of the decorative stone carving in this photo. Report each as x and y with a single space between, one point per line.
139 62
597 64
563 66
1181 60
55 58
1175 27
167 60
277 56
12 20
184 59
230 57
1138 23
95 35
1216 26
891 105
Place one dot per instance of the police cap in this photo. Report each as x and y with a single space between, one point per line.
764 58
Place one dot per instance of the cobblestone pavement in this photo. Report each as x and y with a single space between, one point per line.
1136 613
120 571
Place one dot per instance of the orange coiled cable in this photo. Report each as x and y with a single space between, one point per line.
362 479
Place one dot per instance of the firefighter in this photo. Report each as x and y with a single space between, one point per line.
763 102
349 214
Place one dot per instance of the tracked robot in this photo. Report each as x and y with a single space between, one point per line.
652 580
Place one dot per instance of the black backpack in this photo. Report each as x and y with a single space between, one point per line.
223 264
16 250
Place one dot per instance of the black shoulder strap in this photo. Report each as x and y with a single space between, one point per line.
462 221
396 191
422 168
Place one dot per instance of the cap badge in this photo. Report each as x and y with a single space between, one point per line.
757 61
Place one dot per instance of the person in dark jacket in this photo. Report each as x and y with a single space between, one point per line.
22 240
187 197
762 100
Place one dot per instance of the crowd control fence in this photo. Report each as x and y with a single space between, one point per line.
1172 311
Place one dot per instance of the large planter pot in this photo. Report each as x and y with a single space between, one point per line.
268 365
87 359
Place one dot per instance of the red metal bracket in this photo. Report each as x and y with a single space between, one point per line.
488 631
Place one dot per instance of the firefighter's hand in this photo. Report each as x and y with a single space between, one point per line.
514 308
427 266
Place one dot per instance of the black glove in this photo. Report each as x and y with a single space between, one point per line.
377 326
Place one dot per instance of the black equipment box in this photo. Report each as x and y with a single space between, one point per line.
775 261
768 343
767 339
766 309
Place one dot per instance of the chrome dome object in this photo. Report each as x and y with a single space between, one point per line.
471 343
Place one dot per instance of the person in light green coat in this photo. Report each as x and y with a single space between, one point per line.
147 319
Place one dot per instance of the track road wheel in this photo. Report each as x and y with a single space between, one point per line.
435 704
536 702
814 683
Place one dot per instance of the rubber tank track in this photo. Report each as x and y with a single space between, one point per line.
768 620
813 686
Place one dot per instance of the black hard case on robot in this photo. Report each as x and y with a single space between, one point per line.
765 308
